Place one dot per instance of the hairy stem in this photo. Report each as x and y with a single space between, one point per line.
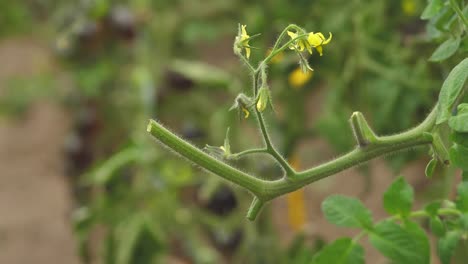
247 152
266 137
267 190
202 159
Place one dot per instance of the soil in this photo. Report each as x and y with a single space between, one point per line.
35 196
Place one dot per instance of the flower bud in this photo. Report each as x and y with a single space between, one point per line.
242 103
263 98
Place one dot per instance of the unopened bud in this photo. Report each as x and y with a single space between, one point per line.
263 98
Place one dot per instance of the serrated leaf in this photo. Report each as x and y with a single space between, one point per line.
347 212
341 251
462 197
459 122
458 156
401 244
451 90
430 168
398 199
437 226
447 245
446 49
432 9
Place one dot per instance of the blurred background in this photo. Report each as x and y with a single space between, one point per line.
82 182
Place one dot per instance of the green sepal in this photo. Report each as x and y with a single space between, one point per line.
362 132
430 168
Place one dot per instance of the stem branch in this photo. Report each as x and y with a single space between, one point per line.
267 190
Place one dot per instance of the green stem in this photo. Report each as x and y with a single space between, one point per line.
266 137
283 33
440 212
254 209
267 190
247 152
274 52
415 214
246 61
384 145
204 160
459 12
271 148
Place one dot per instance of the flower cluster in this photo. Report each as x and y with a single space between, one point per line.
311 40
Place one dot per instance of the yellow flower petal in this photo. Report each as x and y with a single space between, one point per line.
244 40
314 39
246 112
320 35
330 35
292 34
318 39
244 31
300 46
319 49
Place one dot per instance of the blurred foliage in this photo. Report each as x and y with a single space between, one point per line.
131 60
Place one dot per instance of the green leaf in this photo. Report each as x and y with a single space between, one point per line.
459 122
430 168
137 240
447 245
446 49
451 90
432 9
128 234
398 199
462 108
402 245
458 156
433 207
465 176
437 226
463 222
347 212
108 170
201 73
341 251
462 197
460 138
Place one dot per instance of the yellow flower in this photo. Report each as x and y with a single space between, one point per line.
313 40
317 40
242 41
300 44
297 78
